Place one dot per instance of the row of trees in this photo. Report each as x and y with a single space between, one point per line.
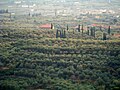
91 31
61 33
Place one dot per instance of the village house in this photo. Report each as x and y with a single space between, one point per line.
47 26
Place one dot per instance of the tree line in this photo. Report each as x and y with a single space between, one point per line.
91 31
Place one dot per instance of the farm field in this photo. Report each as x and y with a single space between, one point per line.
59 49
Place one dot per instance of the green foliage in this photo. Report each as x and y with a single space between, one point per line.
35 62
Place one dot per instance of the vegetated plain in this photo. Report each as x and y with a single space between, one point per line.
33 58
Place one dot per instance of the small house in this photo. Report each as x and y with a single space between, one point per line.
47 26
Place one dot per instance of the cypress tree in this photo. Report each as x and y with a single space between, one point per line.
57 34
61 34
52 27
64 34
109 31
94 31
91 31
78 28
67 28
82 29
104 36
87 30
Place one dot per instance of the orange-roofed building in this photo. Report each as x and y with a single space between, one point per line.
117 35
47 26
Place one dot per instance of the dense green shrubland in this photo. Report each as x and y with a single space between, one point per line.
34 60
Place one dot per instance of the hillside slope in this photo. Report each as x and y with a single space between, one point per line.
29 61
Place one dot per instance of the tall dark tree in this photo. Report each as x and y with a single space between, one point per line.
67 27
82 29
52 27
94 31
104 36
88 30
78 28
61 33
64 35
109 30
57 32
91 31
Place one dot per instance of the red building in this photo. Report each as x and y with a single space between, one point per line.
47 26
117 35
